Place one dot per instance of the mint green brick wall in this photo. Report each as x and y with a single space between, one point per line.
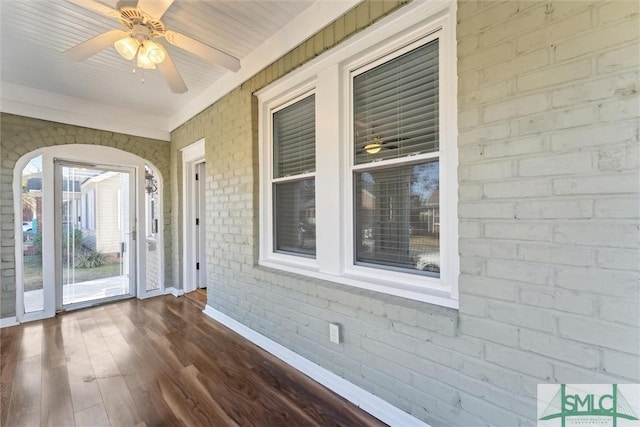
547 105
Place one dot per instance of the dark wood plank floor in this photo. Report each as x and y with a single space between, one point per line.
198 297
157 362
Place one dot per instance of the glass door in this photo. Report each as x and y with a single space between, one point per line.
96 233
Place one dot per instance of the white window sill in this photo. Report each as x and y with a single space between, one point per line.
410 286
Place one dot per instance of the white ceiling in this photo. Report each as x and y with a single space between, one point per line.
102 92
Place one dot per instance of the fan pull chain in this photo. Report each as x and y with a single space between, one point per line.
134 69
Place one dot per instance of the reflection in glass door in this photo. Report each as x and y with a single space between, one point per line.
96 235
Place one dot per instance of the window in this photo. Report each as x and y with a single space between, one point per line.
358 167
151 202
88 210
294 163
395 117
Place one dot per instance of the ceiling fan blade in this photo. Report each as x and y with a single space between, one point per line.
98 7
155 8
170 73
92 46
207 52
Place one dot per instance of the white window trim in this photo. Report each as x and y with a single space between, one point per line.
330 75
265 122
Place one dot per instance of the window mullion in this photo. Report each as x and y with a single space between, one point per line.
400 161
294 177
328 162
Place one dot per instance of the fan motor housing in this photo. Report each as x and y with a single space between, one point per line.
133 18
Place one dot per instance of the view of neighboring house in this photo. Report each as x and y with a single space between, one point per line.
70 202
32 203
103 212
95 205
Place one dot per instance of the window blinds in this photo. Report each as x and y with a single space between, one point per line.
398 217
294 139
295 216
396 106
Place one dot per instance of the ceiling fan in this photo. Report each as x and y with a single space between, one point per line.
137 42
376 144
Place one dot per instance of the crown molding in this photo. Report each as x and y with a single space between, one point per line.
40 104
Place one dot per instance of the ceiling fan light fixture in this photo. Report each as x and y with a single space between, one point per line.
127 47
142 22
143 60
374 146
152 51
156 56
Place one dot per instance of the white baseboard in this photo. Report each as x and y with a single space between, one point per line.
379 408
173 291
8 321
151 294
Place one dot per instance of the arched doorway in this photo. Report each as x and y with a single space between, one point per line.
92 237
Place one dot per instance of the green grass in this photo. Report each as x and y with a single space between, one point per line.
33 272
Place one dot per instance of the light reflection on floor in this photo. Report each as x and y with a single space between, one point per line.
80 292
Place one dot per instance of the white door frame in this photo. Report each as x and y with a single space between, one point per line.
191 156
201 230
131 233
71 152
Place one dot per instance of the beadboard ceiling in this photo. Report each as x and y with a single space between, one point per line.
102 92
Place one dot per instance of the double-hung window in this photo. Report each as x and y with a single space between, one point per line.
294 164
358 174
396 167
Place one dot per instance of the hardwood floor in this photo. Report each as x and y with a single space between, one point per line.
157 362
198 297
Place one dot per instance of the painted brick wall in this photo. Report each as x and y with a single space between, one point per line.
548 140
548 206
21 135
549 185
